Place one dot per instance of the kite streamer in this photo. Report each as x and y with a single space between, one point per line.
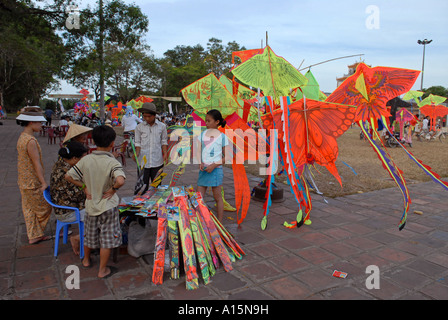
394 172
427 169
242 191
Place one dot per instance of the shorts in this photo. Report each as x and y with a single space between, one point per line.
212 179
103 231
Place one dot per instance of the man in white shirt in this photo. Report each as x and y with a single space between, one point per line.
63 121
130 120
151 139
425 126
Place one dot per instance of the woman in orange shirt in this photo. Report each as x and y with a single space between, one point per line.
31 180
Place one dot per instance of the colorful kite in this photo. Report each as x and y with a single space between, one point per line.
307 136
307 122
272 74
209 93
311 90
144 99
313 129
369 89
412 94
431 107
245 54
275 77
402 116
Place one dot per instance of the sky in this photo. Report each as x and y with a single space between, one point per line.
306 32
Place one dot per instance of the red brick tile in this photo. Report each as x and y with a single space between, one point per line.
438 258
288 288
52 293
260 271
293 243
340 249
267 249
290 263
317 238
436 291
427 268
347 293
90 289
34 264
35 280
394 255
130 280
363 243
316 255
405 277
318 279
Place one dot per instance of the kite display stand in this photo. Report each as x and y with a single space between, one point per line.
187 232
259 194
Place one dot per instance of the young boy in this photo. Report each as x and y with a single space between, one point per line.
100 175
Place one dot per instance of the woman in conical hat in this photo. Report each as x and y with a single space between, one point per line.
31 179
78 133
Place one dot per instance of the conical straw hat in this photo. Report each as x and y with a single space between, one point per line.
75 130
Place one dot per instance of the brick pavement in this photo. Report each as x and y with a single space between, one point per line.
347 234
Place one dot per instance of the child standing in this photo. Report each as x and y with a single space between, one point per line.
100 175
212 143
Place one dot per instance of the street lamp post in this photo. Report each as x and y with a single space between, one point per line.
424 43
101 54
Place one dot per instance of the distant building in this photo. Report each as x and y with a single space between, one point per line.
351 71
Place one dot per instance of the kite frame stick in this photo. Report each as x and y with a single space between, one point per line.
355 55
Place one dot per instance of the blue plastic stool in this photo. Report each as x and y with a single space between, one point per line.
64 225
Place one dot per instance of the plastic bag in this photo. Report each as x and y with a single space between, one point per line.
141 240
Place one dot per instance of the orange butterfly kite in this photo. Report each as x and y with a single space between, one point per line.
369 89
433 112
313 129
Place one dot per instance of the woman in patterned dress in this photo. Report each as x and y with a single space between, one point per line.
64 193
31 179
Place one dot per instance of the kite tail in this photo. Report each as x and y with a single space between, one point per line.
176 174
393 171
242 191
270 179
289 165
427 169
268 202
304 204
309 204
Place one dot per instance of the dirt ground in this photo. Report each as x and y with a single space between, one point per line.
370 174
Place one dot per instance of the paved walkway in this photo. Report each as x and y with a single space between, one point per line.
348 234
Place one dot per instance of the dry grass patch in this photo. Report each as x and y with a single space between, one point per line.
370 173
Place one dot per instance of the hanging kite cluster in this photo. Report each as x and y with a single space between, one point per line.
302 123
117 110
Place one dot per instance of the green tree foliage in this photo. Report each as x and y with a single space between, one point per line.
37 49
31 54
435 90
183 65
219 57
179 67
123 28
130 71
